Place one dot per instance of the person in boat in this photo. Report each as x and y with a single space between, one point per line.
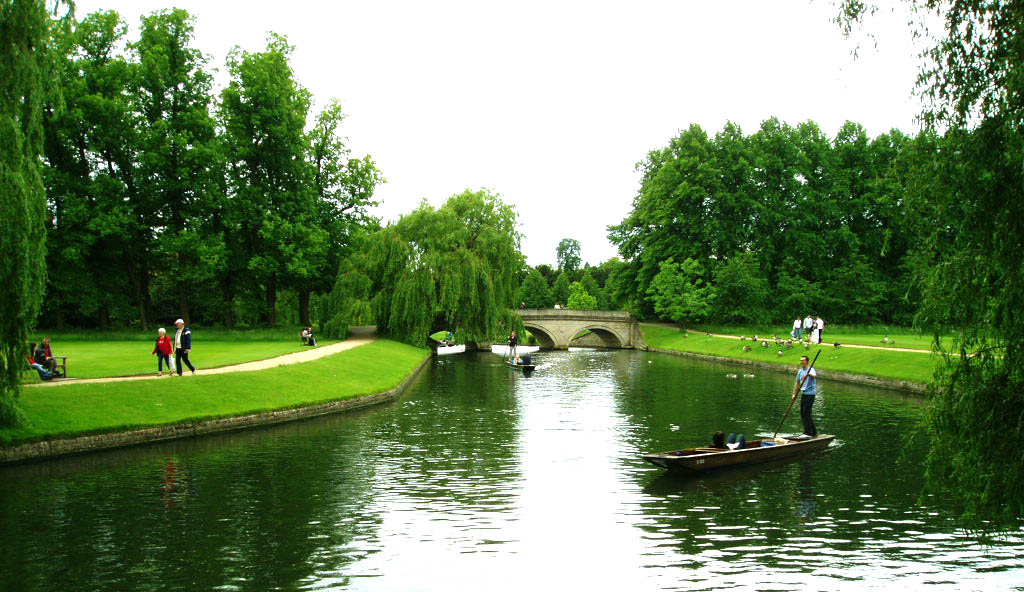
517 361
527 359
513 342
807 388
739 440
718 439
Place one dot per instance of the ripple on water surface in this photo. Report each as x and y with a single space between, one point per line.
483 477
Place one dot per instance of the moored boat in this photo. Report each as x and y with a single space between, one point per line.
703 459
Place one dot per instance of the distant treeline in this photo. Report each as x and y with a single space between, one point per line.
737 228
168 199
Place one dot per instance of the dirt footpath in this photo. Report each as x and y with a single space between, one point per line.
293 358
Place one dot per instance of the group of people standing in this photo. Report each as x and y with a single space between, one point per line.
181 346
812 327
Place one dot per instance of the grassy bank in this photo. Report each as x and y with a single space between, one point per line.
74 409
913 366
98 355
903 337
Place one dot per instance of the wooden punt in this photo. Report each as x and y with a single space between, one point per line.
522 366
704 459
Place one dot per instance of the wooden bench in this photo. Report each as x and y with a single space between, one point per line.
62 364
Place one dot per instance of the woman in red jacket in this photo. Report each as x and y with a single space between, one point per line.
163 352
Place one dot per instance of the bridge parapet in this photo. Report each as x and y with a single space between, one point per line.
555 328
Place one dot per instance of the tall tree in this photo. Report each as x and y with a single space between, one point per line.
568 253
26 67
344 189
560 289
99 217
263 111
534 292
177 151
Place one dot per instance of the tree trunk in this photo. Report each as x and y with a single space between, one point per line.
182 291
58 315
228 288
270 317
183 302
304 308
104 318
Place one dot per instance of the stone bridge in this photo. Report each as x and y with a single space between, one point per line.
555 328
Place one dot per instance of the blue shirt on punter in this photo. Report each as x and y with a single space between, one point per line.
810 387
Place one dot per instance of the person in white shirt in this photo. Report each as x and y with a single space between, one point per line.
819 328
798 330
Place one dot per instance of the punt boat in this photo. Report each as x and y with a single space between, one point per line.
702 459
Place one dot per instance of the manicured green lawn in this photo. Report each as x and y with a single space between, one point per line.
913 366
105 407
845 334
122 354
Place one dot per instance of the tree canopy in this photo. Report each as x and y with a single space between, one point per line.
568 255
969 263
785 219
168 198
452 267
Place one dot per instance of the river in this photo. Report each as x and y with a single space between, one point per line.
481 478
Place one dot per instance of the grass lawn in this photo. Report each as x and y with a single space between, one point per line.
845 334
130 354
913 366
73 409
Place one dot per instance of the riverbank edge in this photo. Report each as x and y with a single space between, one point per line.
866 379
58 447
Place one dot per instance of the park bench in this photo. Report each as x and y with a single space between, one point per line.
62 366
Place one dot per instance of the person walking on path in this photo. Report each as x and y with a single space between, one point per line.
182 346
807 389
798 329
162 349
808 325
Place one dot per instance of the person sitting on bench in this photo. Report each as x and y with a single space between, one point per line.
44 374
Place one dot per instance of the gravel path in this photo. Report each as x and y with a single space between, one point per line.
293 358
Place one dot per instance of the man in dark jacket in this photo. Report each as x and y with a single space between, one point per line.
182 346
44 355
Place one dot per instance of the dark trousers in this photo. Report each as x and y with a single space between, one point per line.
806 404
179 357
161 359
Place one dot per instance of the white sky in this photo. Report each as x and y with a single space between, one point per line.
551 104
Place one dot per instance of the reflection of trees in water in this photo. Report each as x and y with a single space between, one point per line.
257 510
452 437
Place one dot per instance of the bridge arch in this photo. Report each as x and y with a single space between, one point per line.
608 337
544 339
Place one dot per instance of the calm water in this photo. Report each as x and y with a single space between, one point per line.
480 478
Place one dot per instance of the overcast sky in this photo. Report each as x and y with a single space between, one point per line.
552 104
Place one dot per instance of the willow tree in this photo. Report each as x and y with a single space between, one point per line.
24 72
970 264
453 267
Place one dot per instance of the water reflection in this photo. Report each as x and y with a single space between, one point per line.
481 476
